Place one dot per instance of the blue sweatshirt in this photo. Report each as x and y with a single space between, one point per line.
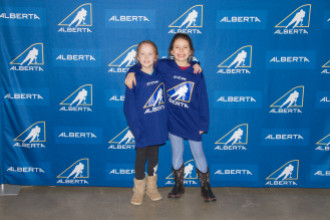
145 110
187 100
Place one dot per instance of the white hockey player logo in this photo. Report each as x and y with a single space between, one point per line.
291 100
188 170
80 98
77 171
189 173
79 18
124 60
31 57
236 137
298 19
239 59
294 98
129 138
190 19
180 93
159 97
129 59
33 135
287 172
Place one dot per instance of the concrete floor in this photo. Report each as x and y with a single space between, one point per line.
98 203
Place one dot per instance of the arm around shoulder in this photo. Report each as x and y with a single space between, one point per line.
130 79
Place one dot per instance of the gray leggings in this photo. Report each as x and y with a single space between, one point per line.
196 148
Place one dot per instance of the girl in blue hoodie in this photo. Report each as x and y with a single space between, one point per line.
146 115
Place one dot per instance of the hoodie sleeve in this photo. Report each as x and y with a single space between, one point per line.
134 68
202 97
131 114
195 62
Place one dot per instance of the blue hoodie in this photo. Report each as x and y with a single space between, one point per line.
145 110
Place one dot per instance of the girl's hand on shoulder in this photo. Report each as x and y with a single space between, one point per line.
201 132
130 80
197 68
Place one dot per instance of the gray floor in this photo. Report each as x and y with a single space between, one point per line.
97 203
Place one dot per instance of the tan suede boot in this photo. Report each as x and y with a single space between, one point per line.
152 190
138 192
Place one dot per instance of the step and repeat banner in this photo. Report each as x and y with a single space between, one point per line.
267 69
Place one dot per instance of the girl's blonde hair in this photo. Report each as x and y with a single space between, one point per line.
147 42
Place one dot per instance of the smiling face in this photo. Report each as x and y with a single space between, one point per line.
181 51
147 56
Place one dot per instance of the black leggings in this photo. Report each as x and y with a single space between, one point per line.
142 154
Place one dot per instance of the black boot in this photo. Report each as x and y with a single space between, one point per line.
204 179
178 188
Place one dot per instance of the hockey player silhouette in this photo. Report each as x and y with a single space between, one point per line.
31 57
240 58
286 172
78 170
188 170
79 18
81 97
298 19
34 133
180 93
190 19
159 97
129 59
292 99
237 136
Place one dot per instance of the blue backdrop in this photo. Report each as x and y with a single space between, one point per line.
267 69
